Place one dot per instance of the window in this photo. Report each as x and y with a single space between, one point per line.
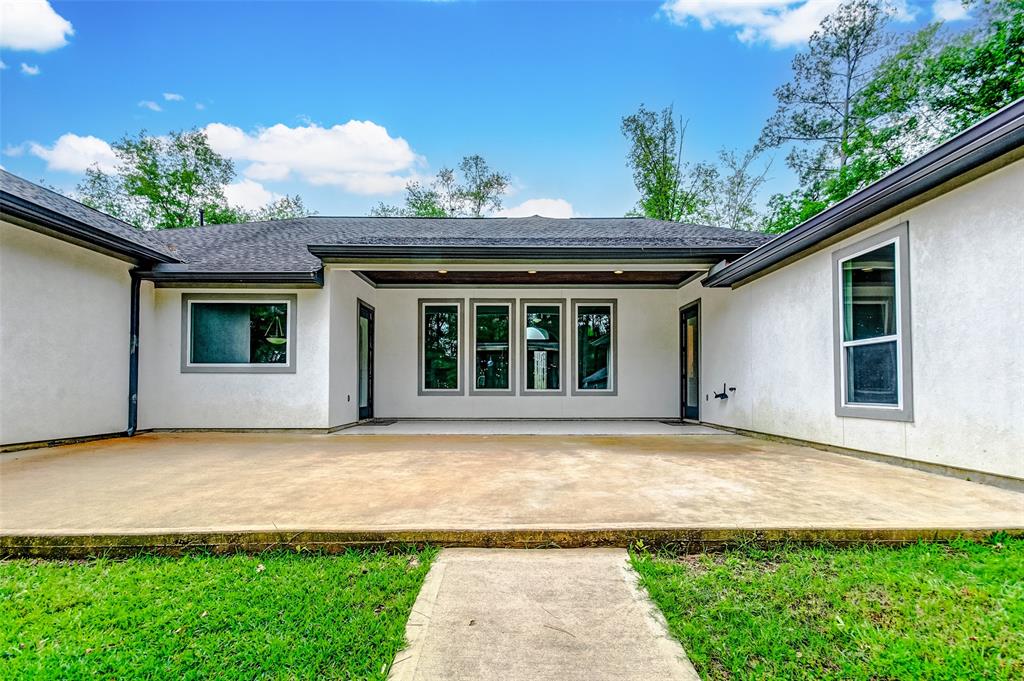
238 334
542 347
492 327
595 347
872 312
440 352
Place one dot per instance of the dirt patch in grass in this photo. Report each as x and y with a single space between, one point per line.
927 611
278 615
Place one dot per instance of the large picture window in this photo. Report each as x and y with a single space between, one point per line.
250 334
493 323
594 372
440 350
872 336
542 347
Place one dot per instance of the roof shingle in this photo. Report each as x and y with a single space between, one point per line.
32 193
282 245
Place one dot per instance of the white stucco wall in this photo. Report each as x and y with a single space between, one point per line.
648 359
64 326
169 398
345 289
772 338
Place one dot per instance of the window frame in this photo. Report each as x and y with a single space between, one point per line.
510 303
564 351
613 378
421 380
903 410
290 300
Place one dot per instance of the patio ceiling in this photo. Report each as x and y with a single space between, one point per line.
399 278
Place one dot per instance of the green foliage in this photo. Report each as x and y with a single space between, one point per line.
165 182
655 155
722 194
161 182
980 71
284 208
927 611
816 109
283 615
726 193
480 191
931 87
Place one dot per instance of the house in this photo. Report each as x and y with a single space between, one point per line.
890 324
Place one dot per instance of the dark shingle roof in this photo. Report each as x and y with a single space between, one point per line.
282 245
75 219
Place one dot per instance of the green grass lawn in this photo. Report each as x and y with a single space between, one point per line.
927 611
280 615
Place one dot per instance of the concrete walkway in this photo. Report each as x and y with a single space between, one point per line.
230 482
535 616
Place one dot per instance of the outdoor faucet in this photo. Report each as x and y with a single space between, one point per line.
723 395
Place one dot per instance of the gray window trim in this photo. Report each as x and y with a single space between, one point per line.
900 235
290 299
471 354
461 363
564 348
613 375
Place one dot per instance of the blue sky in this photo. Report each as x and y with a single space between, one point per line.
345 102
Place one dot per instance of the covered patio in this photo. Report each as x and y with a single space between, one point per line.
238 482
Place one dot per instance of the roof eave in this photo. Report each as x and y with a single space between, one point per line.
167 277
382 253
45 221
997 135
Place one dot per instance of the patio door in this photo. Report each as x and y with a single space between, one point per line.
365 357
689 362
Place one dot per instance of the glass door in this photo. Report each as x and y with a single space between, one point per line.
365 355
689 362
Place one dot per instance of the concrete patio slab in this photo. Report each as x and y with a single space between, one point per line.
536 615
236 482
529 427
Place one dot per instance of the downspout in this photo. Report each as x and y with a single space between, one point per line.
133 355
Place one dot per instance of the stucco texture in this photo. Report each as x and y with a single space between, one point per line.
772 339
64 332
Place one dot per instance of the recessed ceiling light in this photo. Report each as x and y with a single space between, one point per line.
442 271
531 271
617 272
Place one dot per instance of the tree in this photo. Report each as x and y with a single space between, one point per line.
285 208
722 194
932 87
655 155
936 86
727 193
816 110
481 190
166 182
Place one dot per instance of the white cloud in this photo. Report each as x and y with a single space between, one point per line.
173 97
200 106
249 194
3 65
151 105
32 25
549 208
358 156
29 70
780 23
949 10
75 153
